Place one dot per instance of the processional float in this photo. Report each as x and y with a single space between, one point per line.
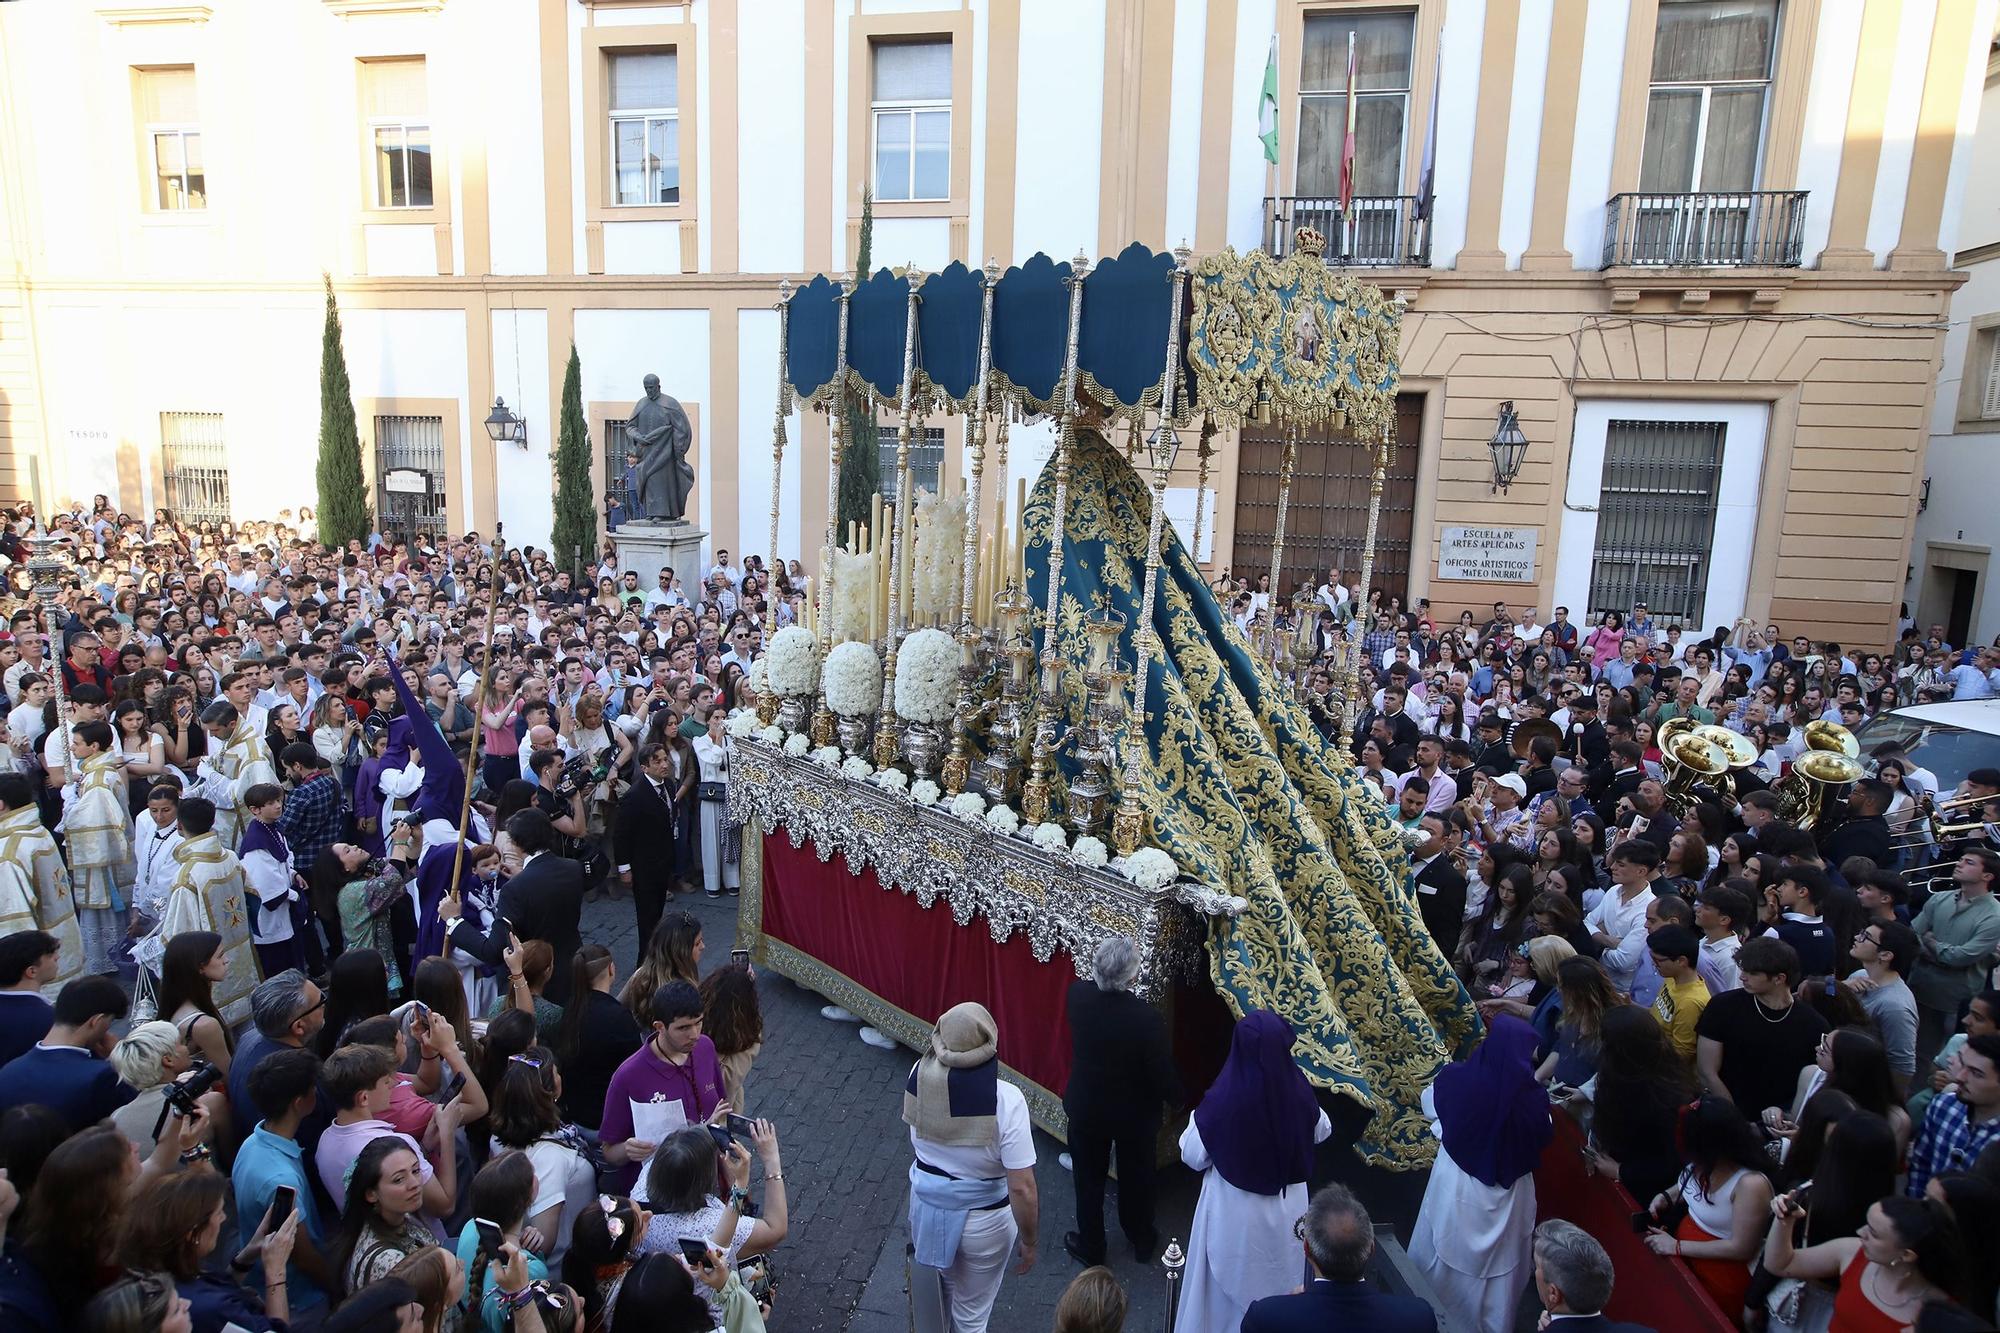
1037 714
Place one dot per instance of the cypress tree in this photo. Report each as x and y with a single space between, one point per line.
575 536
860 458
343 490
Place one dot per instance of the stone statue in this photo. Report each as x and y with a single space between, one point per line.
660 434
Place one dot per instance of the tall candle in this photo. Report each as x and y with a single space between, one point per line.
874 520
1021 536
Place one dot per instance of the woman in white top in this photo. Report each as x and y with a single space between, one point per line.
1728 1200
1252 1140
1474 1234
719 846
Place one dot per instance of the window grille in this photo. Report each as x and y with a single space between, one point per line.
616 440
410 444
1656 518
926 459
194 462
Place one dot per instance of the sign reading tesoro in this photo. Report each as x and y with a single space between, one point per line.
1488 555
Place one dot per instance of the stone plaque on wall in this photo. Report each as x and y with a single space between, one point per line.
1488 555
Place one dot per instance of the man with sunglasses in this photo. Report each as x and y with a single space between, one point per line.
1887 950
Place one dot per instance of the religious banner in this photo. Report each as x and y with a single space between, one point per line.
1488 555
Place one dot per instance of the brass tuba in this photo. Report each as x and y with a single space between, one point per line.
1802 793
1694 760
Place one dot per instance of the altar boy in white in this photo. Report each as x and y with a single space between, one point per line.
271 879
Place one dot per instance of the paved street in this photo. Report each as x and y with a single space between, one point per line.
837 1105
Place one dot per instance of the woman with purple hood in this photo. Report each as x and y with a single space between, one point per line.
1474 1235
1252 1140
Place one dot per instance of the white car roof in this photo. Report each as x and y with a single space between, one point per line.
1981 715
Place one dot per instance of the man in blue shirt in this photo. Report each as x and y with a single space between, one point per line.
27 963
66 1071
285 1089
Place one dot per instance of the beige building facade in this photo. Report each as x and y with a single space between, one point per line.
1699 245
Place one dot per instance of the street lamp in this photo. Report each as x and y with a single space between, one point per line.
504 425
1509 447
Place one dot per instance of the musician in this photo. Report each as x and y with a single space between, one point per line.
1588 745
1493 754
1863 829
1628 762
1540 774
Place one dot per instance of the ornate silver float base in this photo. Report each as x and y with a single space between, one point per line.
854 736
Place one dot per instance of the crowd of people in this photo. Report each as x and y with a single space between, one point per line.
280 1048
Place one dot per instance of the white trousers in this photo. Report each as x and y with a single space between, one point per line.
972 1283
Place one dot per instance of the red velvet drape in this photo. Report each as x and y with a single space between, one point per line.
923 962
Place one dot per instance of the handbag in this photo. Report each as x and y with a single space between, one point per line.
1797 1306
711 791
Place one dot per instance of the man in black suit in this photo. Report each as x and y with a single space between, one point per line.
543 901
1588 745
1121 1075
1573 1278
1339 1241
1493 754
1439 884
643 836
1628 759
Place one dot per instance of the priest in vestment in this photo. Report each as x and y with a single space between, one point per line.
34 883
99 842
238 759
208 894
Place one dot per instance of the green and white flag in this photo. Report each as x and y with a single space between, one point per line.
1267 105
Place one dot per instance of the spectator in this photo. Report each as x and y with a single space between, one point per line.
74 1215
1722 915
973 1151
1585 995
1752 1042
734 1020
1092 1303
673 953
537 970
1853 1063
1121 1077
66 1070
542 901
382 1222
1725 1195
502 1193
1854 1165
597 1034
360 1081
148 1060
411 1111
194 962
664 1294
525 1117
1963 1121
1959 933
1800 894
1252 1139
175 1224
139 1303
1642 1084
1437 881
1886 951
1618 923
677 1064
367 890
1573 1280
356 989
1683 994
28 962
603 1247
1982 1015
285 1091
287 1012
1471 1237
1339 1241
1908 1256
438 1280
680 1187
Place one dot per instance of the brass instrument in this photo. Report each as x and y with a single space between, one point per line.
1664 734
1694 760
1831 736
1742 753
1802 793
1525 733
1929 808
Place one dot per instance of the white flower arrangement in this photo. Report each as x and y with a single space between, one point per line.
969 806
771 735
939 564
759 676
1002 820
742 723
1050 837
924 791
853 678
827 756
1089 852
794 659
853 589
892 779
927 677
1151 868
856 769
797 744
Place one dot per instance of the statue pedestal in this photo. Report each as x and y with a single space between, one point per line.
650 545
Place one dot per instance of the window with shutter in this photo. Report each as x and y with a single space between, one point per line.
1989 402
395 104
912 113
172 138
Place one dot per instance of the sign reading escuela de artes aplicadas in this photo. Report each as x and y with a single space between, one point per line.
1488 555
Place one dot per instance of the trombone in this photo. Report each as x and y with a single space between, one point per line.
1929 808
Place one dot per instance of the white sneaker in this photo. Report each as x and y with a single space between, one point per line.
834 1013
880 1040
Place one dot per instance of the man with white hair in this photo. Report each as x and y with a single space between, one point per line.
1573 1278
1121 1076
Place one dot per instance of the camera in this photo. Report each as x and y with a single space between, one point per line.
182 1094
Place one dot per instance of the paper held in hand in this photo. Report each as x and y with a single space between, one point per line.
654 1121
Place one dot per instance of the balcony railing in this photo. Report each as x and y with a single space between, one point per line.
1757 229
1376 230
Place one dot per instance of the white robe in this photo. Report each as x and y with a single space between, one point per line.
230 771
207 894
32 874
1241 1247
1474 1241
100 854
153 859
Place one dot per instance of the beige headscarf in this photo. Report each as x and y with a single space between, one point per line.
952 1097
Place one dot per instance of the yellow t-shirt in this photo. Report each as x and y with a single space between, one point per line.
1678 1006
